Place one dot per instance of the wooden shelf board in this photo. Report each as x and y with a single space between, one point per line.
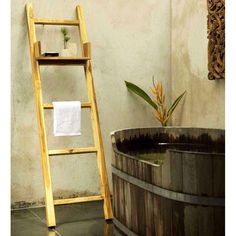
62 60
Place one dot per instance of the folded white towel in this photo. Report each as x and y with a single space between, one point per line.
67 118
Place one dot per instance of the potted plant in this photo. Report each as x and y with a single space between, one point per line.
70 49
161 112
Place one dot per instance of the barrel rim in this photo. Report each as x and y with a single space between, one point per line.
115 149
166 127
113 133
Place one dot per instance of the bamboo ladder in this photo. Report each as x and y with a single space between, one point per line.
37 60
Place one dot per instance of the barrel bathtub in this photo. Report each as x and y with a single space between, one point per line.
168 181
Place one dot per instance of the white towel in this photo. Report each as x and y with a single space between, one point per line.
67 118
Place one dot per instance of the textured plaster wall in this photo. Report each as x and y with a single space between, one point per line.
204 103
130 41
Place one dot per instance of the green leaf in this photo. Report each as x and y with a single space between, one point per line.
67 38
64 31
135 89
175 103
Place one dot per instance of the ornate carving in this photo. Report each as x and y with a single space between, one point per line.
216 39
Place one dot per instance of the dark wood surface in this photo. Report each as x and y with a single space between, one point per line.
59 61
216 39
146 213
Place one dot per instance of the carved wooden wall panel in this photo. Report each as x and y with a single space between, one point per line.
216 39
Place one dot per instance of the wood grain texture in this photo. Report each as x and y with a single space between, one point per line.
127 204
157 216
95 119
134 209
204 171
50 213
216 39
36 61
176 163
178 218
157 175
141 209
55 22
189 174
87 49
219 176
206 221
37 49
191 221
166 172
149 213
62 61
194 178
114 199
83 105
71 151
78 200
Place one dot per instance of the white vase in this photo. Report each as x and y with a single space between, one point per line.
73 49
70 51
65 53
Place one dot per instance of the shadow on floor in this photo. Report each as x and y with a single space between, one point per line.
85 219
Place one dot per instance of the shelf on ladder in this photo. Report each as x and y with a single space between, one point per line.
61 61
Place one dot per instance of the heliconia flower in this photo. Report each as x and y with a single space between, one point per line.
161 113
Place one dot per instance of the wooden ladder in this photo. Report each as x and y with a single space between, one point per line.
37 60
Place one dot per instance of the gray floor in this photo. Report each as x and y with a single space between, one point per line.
72 220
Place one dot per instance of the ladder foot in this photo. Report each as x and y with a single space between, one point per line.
51 227
109 221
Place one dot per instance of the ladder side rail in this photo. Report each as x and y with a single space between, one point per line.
50 212
95 120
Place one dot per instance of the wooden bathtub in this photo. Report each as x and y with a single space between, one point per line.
182 195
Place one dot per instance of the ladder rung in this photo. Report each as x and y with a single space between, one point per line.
72 151
77 200
55 22
83 105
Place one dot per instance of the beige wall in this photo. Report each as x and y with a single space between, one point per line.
204 102
130 41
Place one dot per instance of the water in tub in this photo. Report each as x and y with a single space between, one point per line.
156 154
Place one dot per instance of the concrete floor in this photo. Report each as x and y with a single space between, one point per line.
72 220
